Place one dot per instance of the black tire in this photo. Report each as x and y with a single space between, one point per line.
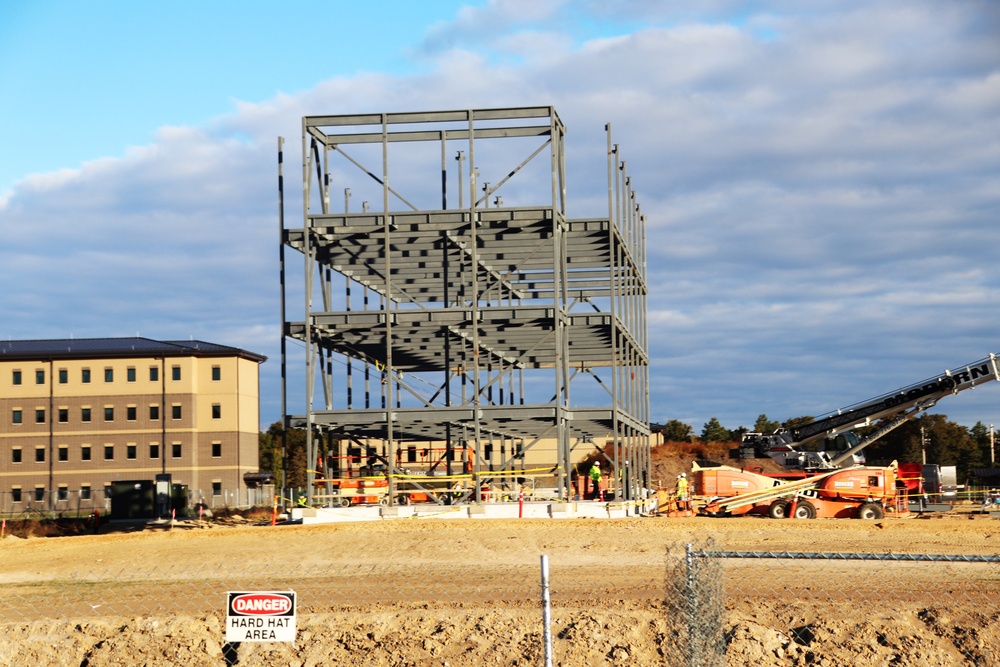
344 502
871 512
805 510
778 509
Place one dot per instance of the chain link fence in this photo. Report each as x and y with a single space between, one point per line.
702 607
75 502
795 608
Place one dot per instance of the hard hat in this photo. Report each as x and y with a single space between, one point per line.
683 474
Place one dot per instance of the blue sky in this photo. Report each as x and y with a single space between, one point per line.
821 186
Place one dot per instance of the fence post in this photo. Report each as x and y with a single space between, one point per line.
546 612
689 597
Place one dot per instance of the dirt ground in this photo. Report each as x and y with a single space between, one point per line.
467 592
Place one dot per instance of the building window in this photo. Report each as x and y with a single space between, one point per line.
39 377
39 493
85 415
15 455
85 453
175 411
63 415
85 376
62 493
216 450
130 452
16 416
154 451
216 488
85 492
16 377
63 453
63 376
39 415
39 455
175 450
216 411
109 452
175 373
15 494
109 375
216 373
130 413
154 373
109 414
130 374
154 413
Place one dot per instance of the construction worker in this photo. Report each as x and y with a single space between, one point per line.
682 492
595 480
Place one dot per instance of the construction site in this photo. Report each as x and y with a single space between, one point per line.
467 339
462 334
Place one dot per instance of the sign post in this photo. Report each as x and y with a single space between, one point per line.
260 616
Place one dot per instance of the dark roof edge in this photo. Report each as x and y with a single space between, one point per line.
122 348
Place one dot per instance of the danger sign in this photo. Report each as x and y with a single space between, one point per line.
260 616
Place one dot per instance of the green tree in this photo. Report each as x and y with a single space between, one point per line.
676 431
948 444
951 444
981 435
713 431
736 435
270 455
765 425
796 422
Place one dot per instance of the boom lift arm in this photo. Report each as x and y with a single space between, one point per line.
899 406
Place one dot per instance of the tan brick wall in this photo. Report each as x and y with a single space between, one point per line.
218 400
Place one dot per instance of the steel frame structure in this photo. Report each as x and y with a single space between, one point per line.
464 328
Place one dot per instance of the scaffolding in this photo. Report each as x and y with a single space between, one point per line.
456 312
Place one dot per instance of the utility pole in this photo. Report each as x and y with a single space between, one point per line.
993 460
923 445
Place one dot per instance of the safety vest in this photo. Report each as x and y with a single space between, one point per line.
682 488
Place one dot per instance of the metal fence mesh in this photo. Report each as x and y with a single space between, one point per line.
781 608
694 609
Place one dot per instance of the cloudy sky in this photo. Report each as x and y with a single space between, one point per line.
821 180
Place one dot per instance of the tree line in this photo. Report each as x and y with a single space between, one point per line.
944 442
931 438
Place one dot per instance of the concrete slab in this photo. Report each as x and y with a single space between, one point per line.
509 510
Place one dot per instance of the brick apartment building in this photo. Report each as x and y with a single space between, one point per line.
78 415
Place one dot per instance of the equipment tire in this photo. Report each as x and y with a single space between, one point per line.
805 510
384 501
778 509
871 512
344 502
404 499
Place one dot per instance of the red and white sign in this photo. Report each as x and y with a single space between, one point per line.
260 616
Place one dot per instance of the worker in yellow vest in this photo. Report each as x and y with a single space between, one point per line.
682 492
595 480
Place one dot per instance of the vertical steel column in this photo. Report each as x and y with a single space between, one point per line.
613 270
310 342
474 259
389 302
284 314
560 306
